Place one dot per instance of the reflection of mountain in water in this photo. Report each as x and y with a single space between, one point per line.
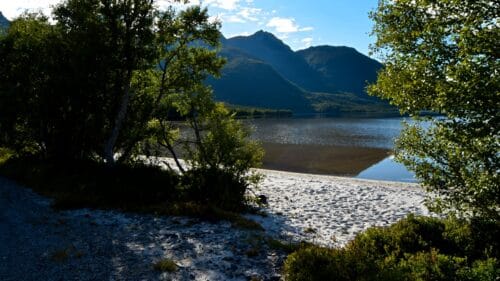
388 169
321 159
334 146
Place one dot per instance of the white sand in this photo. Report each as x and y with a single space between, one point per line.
122 246
331 210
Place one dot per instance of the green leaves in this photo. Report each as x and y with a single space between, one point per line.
441 56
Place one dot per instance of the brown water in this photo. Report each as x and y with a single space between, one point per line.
334 146
321 159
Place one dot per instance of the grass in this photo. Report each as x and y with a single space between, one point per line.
165 265
252 252
209 213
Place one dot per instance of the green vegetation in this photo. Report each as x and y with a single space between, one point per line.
85 99
132 188
255 112
440 56
349 104
343 70
443 56
165 265
416 248
264 72
288 247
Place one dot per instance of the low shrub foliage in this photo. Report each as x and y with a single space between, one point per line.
416 248
209 195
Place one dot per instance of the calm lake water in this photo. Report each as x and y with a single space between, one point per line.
357 147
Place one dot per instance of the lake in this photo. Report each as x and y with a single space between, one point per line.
355 147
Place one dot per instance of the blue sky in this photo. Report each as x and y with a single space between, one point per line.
299 23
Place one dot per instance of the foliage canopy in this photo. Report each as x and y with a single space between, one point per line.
443 56
109 81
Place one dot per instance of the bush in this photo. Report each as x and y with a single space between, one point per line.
216 187
316 263
89 184
415 248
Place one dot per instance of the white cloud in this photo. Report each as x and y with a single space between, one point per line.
13 8
233 19
282 36
250 14
222 4
244 33
286 25
307 41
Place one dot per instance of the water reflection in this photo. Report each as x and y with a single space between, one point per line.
336 146
388 169
321 159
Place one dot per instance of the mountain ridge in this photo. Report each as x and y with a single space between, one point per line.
321 79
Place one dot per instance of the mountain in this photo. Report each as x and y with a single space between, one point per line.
344 68
4 22
266 47
262 71
251 82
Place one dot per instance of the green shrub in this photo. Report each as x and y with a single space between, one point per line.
483 270
90 184
415 248
214 186
317 264
165 265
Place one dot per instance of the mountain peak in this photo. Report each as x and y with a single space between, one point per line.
262 33
344 68
262 36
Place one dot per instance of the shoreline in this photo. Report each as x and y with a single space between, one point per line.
111 245
388 183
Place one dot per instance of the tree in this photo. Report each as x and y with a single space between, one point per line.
34 98
119 34
215 146
122 77
444 57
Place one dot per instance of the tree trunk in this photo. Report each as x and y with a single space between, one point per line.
120 117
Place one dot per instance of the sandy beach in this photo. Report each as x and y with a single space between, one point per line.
331 210
109 245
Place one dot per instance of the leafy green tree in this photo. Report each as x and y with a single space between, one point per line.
186 121
443 56
119 37
123 78
33 108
